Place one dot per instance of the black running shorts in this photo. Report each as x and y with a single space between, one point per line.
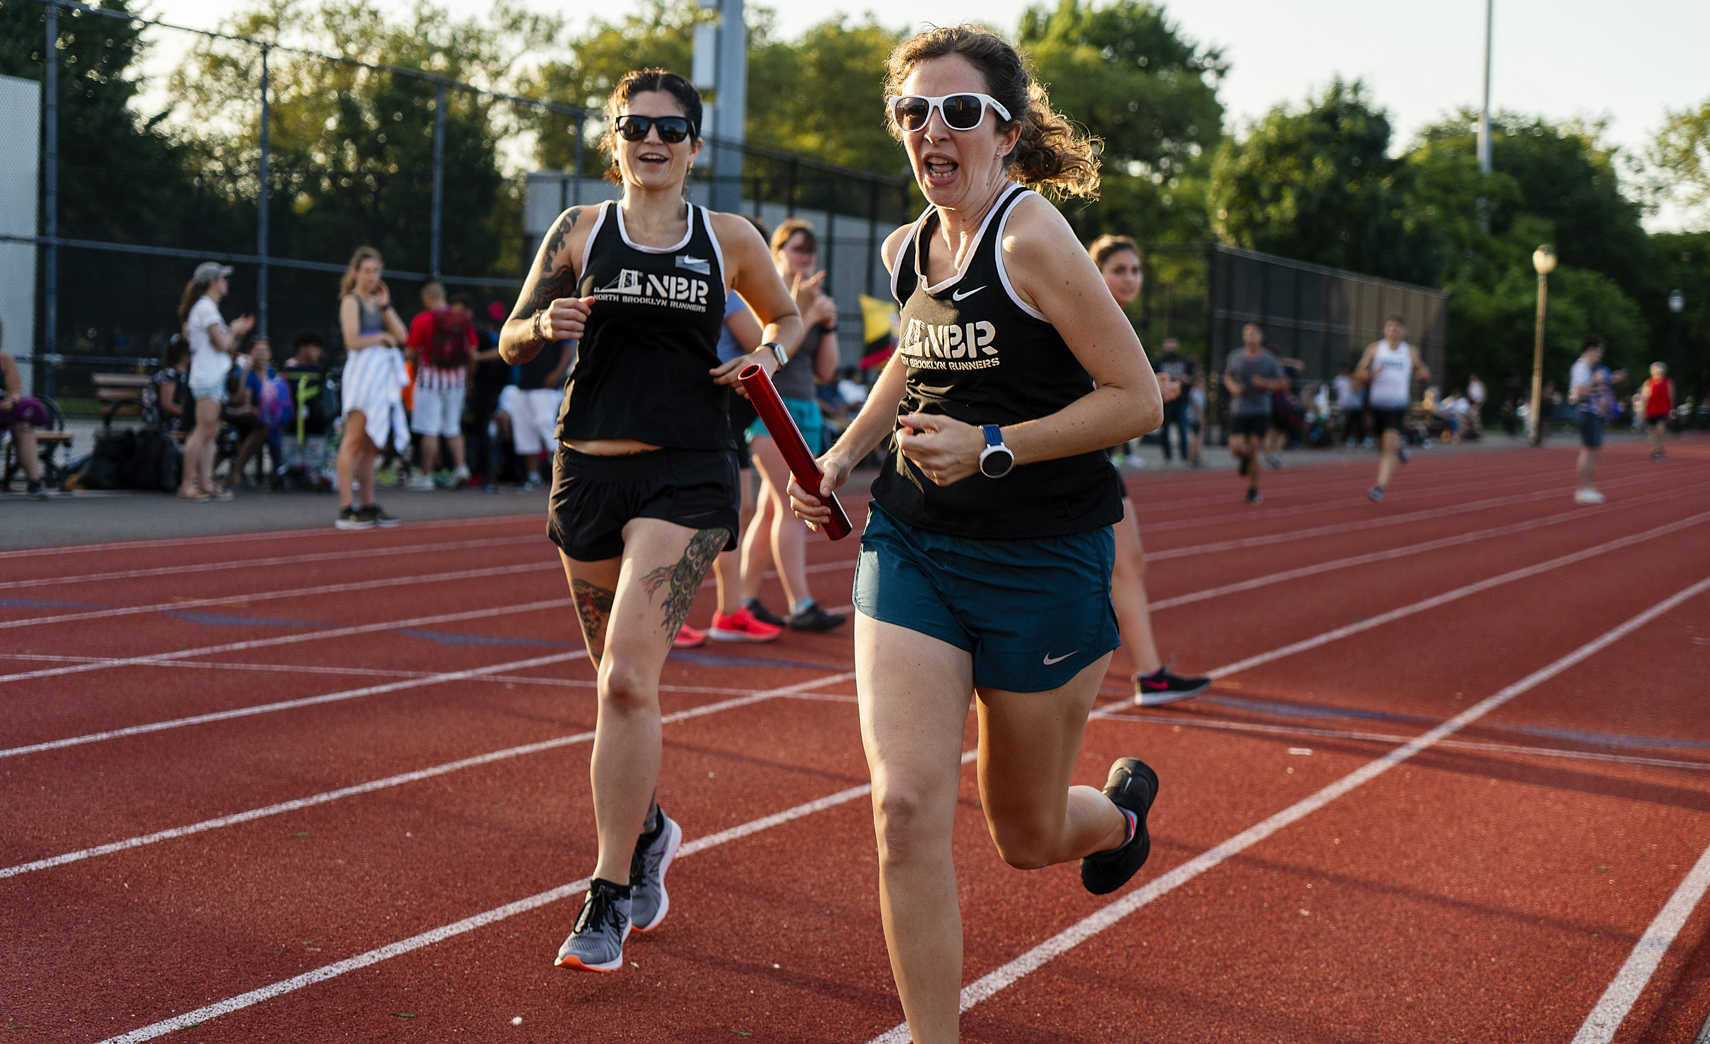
594 497
1255 424
1389 420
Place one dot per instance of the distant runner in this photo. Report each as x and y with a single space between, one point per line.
1250 376
1387 369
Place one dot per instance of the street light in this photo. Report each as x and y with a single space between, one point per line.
1676 305
1544 260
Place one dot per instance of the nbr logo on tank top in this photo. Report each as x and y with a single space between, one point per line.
950 346
648 288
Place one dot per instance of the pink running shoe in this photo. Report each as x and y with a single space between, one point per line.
741 626
688 638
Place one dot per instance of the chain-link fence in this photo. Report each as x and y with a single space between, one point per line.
1203 294
297 159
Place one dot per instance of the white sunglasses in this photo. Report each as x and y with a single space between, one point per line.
961 112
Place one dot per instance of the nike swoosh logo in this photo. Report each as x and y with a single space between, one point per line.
1049 660
957 296
687 260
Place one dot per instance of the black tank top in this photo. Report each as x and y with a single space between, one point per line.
976 353
652 335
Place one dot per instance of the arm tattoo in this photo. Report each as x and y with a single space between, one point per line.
554 283
594 608
684 579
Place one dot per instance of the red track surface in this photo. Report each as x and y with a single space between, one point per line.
1490 886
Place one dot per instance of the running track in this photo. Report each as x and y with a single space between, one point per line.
1452 784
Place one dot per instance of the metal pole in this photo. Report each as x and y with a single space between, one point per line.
438 178
1537 418
1484 113
51 184
731 107
261 214
1674 342
872 231
576 192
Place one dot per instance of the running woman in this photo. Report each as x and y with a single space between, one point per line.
1118 261
373 388
1387 369
985 567
1658 394
1250 376
644 486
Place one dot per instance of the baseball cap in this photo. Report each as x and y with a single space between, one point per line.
208 271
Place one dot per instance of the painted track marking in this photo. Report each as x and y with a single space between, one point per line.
278 560
399 780
177 543
1066 940
156 659
292 592
1612 1008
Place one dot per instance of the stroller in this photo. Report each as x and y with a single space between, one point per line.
307 457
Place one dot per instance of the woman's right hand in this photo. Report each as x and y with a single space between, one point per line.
806 291
242 325
835 472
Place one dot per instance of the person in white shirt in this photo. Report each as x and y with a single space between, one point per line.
1475 399
211 345
1387 369
1588 385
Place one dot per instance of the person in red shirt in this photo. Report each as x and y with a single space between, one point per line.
442 344
1659 403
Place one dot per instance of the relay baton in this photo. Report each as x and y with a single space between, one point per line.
782 427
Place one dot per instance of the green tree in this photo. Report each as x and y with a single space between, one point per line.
1149 93
1318 184
1680 261
1679 158
823 95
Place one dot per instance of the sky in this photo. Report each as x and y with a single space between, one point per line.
1558 58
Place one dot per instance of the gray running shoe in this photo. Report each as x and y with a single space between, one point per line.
596 941
648 900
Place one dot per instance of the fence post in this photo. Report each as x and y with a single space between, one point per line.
872 231
790 191
261 216
50 321
576 196
438 177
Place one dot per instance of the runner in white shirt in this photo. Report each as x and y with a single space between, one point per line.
1387 369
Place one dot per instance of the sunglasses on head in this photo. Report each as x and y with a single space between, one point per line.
961 112
672 129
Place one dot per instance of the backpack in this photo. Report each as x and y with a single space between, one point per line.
105 468
448 347
156 464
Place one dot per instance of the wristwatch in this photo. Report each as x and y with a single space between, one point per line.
996 459
778 352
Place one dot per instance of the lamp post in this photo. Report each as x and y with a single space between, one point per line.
1544 260
1676 305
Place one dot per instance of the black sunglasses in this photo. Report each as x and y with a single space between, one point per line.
672 129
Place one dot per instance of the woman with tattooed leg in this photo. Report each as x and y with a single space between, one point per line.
644 489
984 574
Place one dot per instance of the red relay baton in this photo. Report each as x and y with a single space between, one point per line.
782 427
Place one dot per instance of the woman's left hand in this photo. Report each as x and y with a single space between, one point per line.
242 325
945 449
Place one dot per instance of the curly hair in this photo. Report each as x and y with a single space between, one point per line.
640 81
1052 153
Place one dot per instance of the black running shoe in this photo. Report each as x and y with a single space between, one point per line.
766 616
1132 787
815 619
1161 687
1253 497
353 518
379 517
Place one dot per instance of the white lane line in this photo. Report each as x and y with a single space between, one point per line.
293 592
1066 940
1457 594
480 920
179 543
1404 551
1612 1008
1331 529
278 560
1383 737
154 659
307 701
401 779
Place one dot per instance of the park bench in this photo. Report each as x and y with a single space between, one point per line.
118 393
